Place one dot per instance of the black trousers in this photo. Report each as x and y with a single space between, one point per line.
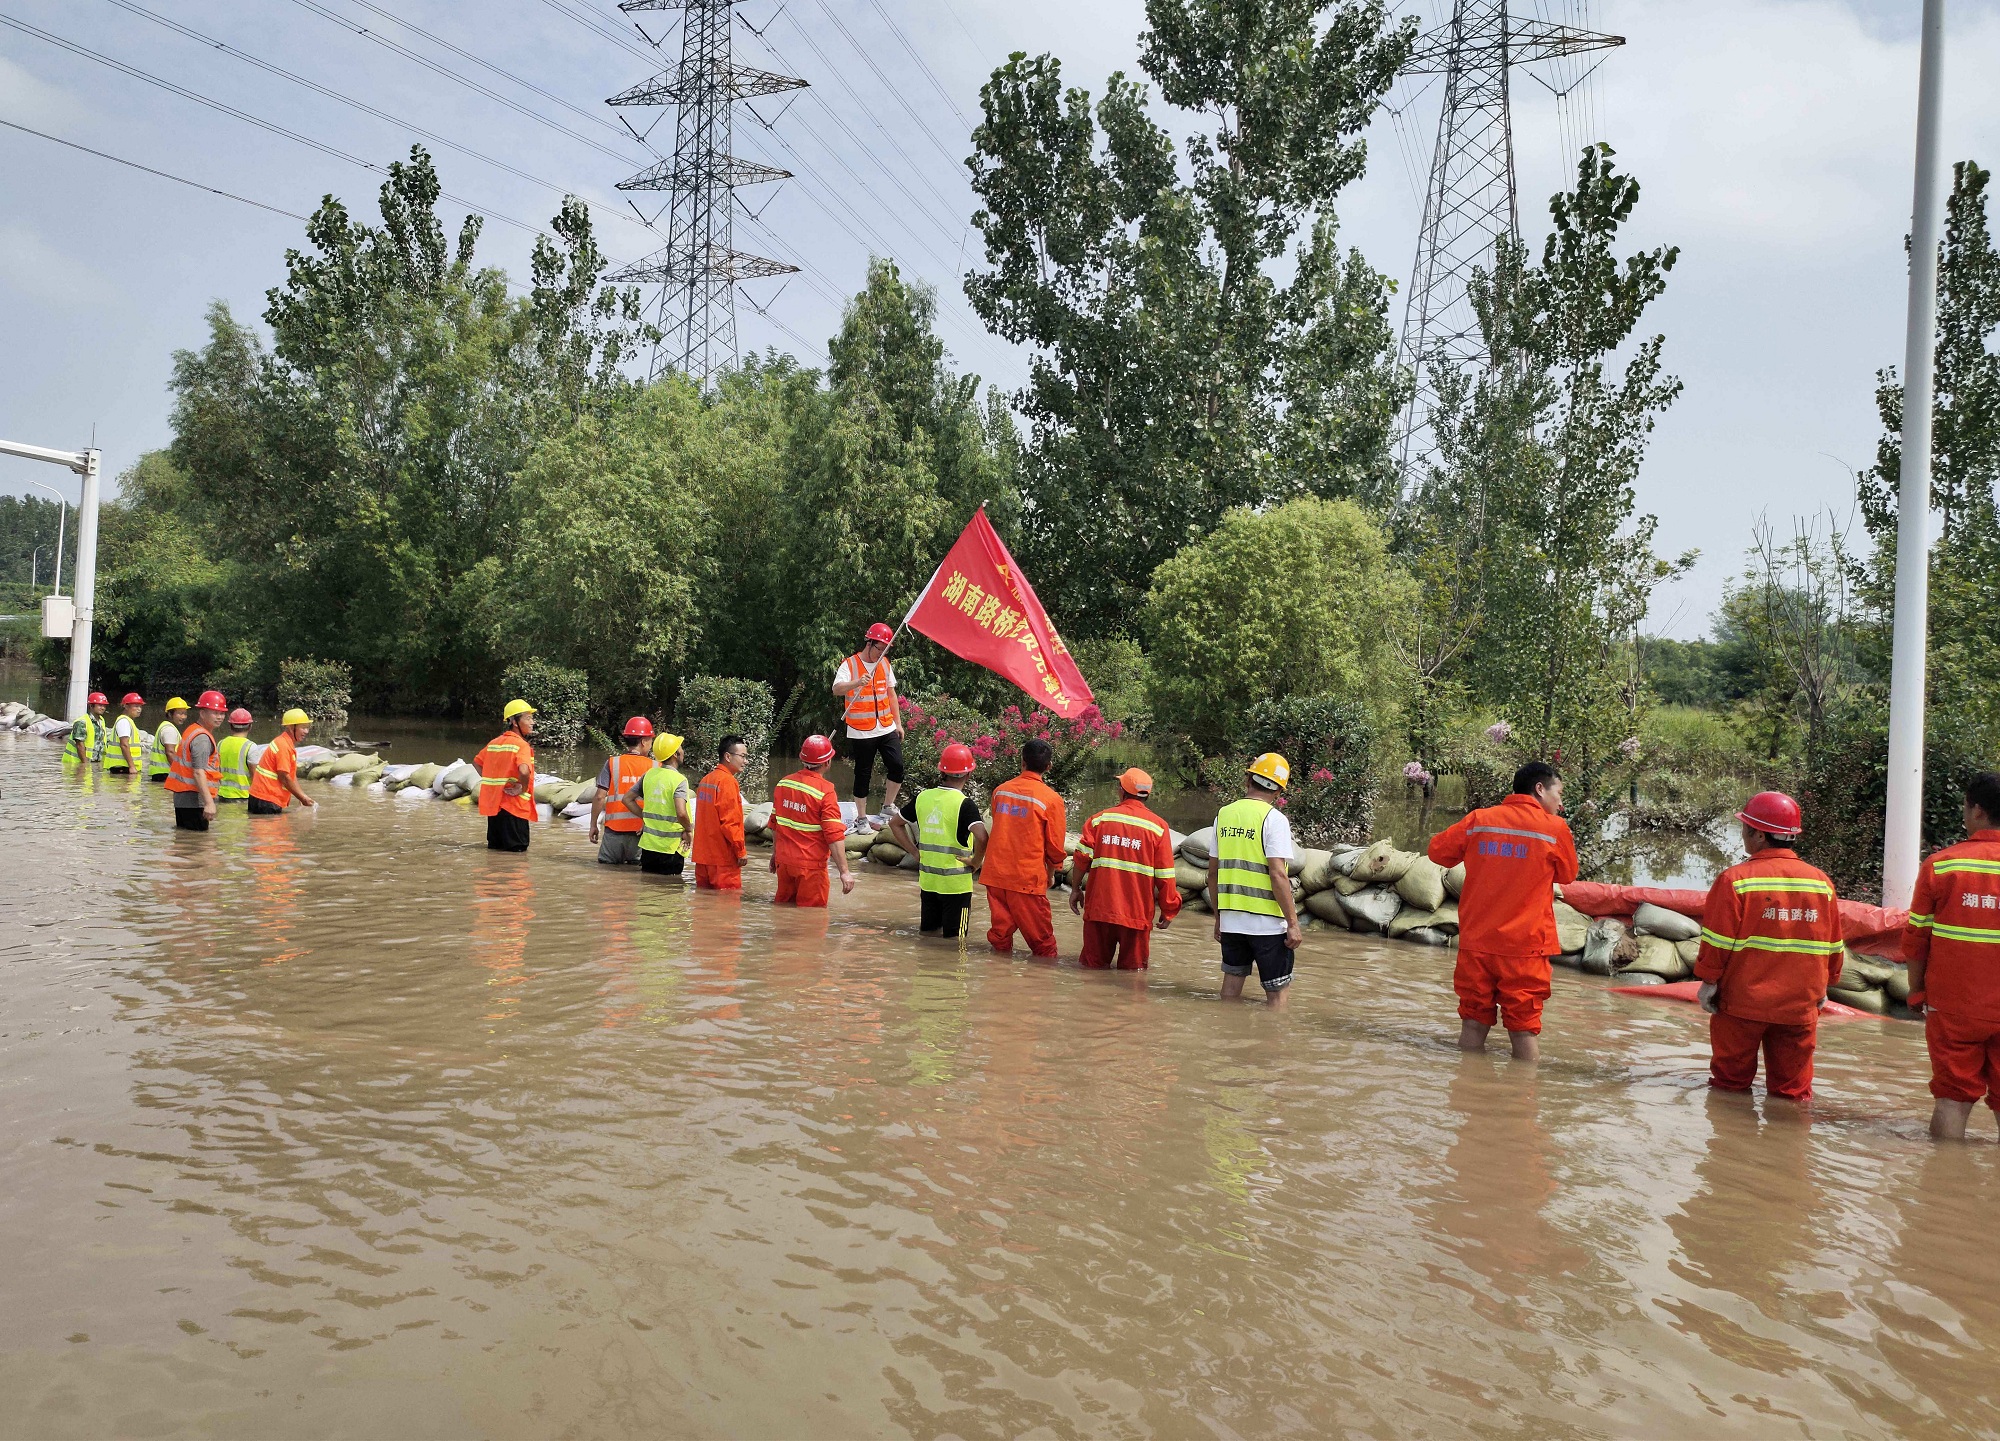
506 833
659 863
189 818
889 747
261 807
946 915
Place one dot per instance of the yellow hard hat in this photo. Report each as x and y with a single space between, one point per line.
1274 768
295 717
516 707
177 704
665 744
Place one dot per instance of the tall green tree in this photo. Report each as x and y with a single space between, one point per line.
1201 342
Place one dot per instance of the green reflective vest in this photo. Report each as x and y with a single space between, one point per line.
86 740
944 866
1243 876
662 832
114 753
234 757
166 740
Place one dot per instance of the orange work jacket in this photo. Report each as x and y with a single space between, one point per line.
280 759
805 822
507 757
869 707
180 768
718 820
1515 855
1771 939
626 768
1025 836
1127 858
1954 930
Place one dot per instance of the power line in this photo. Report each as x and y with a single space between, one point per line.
956 162
163 174
922 64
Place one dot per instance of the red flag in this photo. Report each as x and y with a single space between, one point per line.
981 608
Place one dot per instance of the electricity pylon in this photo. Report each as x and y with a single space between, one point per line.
1471 202
699 266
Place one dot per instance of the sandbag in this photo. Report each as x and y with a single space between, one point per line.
1608 945
1348 886
1445 918
423 775
1197 902
758 817
1859 972
1199 847
1454 880
368 777
1320 871
1326 905
576 811
1668 925
1422 884
354 762
1306 861
1175 840
1689 951
1660 957
1408 919
1372 909
1428 936
1640 978
1898 986
1875 1002
886 853
1572 926
1343 859
459 779
1381 864
1190 878
859 844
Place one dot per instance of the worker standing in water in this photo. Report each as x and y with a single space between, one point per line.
949 842
806 828
194 775
719 847
1250 887
1123 875
167 739
507 780
233 757
126 754
661 797
88 732
275 781
1771 945
1029 827
611 809
1515 855
866 682
1952 944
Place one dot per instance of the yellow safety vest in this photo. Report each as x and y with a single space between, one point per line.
662 832
234 756
1243 876
163 748
114 754
91 749
944 866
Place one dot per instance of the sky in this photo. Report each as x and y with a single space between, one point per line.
1773 140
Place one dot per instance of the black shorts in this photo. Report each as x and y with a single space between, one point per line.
1270 954
659 863
943 915
189 818
118 770
160 779
506 833
889 747
261 807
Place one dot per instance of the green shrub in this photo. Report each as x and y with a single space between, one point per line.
713 706
1117 671
560 696
1692 769
933 722
1329 743
322 689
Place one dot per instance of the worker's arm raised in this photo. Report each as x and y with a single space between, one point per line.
1447 847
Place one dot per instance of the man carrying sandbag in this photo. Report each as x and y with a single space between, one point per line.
506 767
805 828
1026 838
1953 947
612 811
1124 870
1249 886
1770 946
1515 855
719 847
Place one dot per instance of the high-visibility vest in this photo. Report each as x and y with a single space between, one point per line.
180 770
627 770
500 762
114 753
166 740
663 833
1243 876
233 756
267 782
91 748
869 707
944 866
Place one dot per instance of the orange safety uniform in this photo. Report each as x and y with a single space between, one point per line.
870 707
507 757
1953 946
1024 841
180 768
718 832
267 781
1515 855
626 769
805 827
1771 943
1126 859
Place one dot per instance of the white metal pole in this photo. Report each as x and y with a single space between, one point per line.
84 586
1902 843
62 517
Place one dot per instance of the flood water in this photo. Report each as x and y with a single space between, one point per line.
339 1125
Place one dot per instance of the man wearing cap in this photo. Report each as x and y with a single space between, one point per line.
275 781
1952 943
1515 855
1249 885
1124 875
1771 944
943 829
719 847
127 751
507 780
806 828
167 739
612 806
1028 828
233 757
866 682
88 733
661 798
194 774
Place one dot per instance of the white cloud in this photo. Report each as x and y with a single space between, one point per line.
46 274
31 100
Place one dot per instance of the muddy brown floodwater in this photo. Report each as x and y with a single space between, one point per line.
340 1125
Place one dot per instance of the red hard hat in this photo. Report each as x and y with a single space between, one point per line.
957 760
211 700
97 697
881 632
1774 813
239 717
133 697
816 750
638 728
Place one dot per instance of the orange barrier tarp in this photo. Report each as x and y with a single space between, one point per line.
1871 930
1685 991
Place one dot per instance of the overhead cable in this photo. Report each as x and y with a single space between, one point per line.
163 174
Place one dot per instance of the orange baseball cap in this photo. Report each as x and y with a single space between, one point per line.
1136 782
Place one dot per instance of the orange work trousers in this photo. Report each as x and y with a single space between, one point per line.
1965 1058
1018 911
1132 946
718 878
1511 987
802 888
1788 1055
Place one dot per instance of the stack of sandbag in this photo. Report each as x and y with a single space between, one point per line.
1873 984
888 853
1667 944
456 781
1191 858
348 769
757 822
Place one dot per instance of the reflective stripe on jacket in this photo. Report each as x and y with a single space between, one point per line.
508 756
718 820
805 822
180 769
627 770
869 708
233 758
89 748
1024 836
944 866
1127 860
1955 928
662 831
1243 874
1771 939
280 759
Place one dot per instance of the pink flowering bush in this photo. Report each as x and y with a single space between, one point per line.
937 721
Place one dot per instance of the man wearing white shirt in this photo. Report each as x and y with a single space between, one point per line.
867 683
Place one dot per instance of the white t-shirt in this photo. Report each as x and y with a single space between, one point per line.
114 754
1277 847
849 670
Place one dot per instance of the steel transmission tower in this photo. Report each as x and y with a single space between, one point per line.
699 267
1471 202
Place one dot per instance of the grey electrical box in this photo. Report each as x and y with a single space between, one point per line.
58 617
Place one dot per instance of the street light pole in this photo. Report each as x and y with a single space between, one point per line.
62 519
85 463
1902 842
